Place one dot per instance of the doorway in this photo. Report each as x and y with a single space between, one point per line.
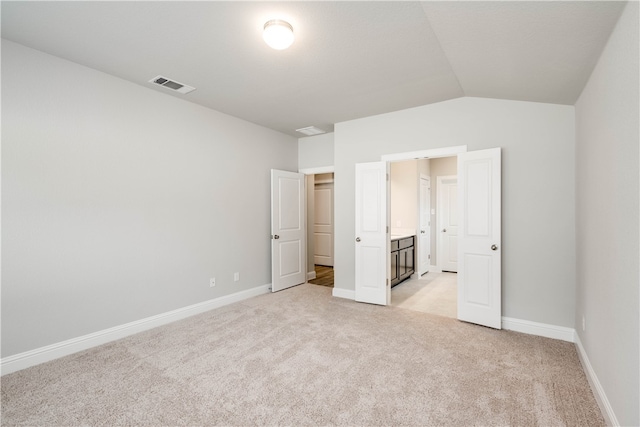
415 204
320 228
479 255
323 220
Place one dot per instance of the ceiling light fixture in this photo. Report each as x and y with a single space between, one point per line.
278 34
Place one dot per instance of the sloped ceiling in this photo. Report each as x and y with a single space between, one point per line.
349 59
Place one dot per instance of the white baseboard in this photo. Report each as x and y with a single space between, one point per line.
44 354
311 275
540 329
596 387
434 269
344 293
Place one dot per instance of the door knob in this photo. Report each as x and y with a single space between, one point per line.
276 237
422 231
357 239
444 230
494 248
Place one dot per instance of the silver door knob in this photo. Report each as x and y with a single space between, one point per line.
494 248
444 230
276 237
357 239
422 231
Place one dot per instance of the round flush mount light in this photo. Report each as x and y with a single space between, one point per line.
278 34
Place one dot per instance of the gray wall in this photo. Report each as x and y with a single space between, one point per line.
607 189
538 203
315 151
119 202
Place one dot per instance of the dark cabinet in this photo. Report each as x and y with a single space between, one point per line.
402 259
395 257
406 263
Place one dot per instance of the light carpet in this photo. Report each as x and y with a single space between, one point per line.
435 293
301 357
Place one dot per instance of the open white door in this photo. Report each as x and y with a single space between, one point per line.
288 234
424 248
448 220
371 239
479 258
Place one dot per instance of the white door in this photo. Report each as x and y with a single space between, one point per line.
448 223
479 259
323 225
288 234
424 240
371 239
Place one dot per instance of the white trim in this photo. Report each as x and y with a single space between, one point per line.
540 329
570 335
596 387
44 354
311 275
425 154
344 293
435 269
314 171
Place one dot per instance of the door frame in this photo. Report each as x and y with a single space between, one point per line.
421 248
412 155
459 152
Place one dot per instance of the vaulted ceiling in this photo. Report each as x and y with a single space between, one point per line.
349 59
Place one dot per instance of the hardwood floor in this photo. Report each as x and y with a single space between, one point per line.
324 276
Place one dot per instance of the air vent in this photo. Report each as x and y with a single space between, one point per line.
172 85
310 130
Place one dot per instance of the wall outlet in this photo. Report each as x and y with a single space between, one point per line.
236 277
584 324
212 282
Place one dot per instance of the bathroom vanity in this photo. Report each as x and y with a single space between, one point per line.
402 257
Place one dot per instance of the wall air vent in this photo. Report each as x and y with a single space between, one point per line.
310 130
172 85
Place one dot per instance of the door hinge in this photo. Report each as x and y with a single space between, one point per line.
429 256
387 229
387 177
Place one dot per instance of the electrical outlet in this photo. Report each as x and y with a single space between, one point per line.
236 277
584 324
212 282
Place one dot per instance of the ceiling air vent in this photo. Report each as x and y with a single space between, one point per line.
310 130
172 85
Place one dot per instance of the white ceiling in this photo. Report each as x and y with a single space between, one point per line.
349 59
